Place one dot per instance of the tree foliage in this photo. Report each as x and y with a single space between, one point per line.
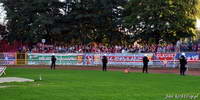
31 20
155 20
80 20
95 20
2 31
103 21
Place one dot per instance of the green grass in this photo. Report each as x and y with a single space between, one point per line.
96 85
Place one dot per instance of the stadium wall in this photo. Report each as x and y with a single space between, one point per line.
90 59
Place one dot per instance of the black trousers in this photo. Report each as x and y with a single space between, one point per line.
53 66
182 70
145 68
104 67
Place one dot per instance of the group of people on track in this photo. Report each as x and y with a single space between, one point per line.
182 60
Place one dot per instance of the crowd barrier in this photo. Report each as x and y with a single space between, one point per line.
91 59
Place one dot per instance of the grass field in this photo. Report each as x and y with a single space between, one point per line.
97 85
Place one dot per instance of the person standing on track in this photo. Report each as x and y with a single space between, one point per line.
104 61
145 64
183 62
53 62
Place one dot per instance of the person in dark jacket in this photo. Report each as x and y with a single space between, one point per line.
104 61
145 64
183 62
53 62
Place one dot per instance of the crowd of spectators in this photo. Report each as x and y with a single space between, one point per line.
97 48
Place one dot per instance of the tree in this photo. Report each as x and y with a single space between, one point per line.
2 31
32 20
81 20
96 20
109 20
153 20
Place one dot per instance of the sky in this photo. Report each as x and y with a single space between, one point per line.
62 0
2 14
198 24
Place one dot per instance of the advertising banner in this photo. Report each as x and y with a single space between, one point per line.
7 58
62 59
116 59
191 57
88 59
165 59
123 59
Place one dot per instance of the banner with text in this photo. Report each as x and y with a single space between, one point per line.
118 59
7 58
165 59
62 59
